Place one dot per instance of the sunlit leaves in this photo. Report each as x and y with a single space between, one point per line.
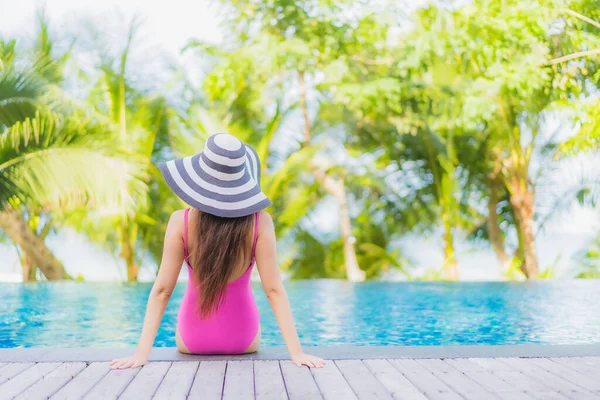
59 161
588 137
589 259
19 92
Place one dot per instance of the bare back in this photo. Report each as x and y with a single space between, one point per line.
193 236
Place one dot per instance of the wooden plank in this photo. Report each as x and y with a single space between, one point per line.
362 381
299 382
178 380
13 369
501 379
578 364
514 396
591 361
208 383
456 380
516 379
395 383
331 382
491 364
239 380
53 381
146 382
486 378
424 380
112 384
548 396
550 381
83 382
464 365
23 380
593 385
268 382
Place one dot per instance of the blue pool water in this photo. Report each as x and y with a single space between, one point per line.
327 312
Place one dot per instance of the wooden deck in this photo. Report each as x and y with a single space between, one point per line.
450 378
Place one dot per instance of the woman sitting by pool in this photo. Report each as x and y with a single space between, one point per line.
220 239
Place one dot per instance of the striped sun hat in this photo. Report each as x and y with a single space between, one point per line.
223 180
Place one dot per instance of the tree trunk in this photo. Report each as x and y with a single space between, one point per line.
19 231
493 226
522 202
519 251
128 254
337 189
353 271
302 87
28 268
450 265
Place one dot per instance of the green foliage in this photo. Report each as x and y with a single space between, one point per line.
418 118
54 153
39 155
588 138
514 272
19 91
589 260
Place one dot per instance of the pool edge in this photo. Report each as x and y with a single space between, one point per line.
327 352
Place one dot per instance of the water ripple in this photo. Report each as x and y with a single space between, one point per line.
327 312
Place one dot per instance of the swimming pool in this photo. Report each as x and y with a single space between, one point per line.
327 312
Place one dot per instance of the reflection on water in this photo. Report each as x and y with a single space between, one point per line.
327 312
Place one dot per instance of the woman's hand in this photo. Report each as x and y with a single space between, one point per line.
308 360
133 361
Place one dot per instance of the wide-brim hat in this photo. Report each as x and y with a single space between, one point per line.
223 180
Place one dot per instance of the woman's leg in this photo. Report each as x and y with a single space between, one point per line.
179 341
255 343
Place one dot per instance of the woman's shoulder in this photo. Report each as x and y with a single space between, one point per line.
265 222
176 222
265 216
177 216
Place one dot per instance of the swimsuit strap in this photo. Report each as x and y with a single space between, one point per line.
185 233
255 235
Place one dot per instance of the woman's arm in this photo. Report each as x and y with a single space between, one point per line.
164 284
266 260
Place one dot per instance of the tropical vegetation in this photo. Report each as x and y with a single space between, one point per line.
446 122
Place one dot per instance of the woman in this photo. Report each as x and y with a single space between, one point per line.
220 239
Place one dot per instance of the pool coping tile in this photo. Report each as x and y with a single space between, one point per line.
327 352
18 354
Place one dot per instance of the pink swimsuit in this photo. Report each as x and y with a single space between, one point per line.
234 326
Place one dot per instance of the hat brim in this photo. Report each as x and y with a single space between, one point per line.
200 187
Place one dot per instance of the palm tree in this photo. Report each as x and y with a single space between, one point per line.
255 72
54 155
504 92
56 159
294 197
140 124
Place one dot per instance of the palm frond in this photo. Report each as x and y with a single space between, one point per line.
587 140
19 93
59 162
272 128
66 177
189 133
294 164
7 54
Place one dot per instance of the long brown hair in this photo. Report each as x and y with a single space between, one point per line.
222 243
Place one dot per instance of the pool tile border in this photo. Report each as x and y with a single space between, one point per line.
328 352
